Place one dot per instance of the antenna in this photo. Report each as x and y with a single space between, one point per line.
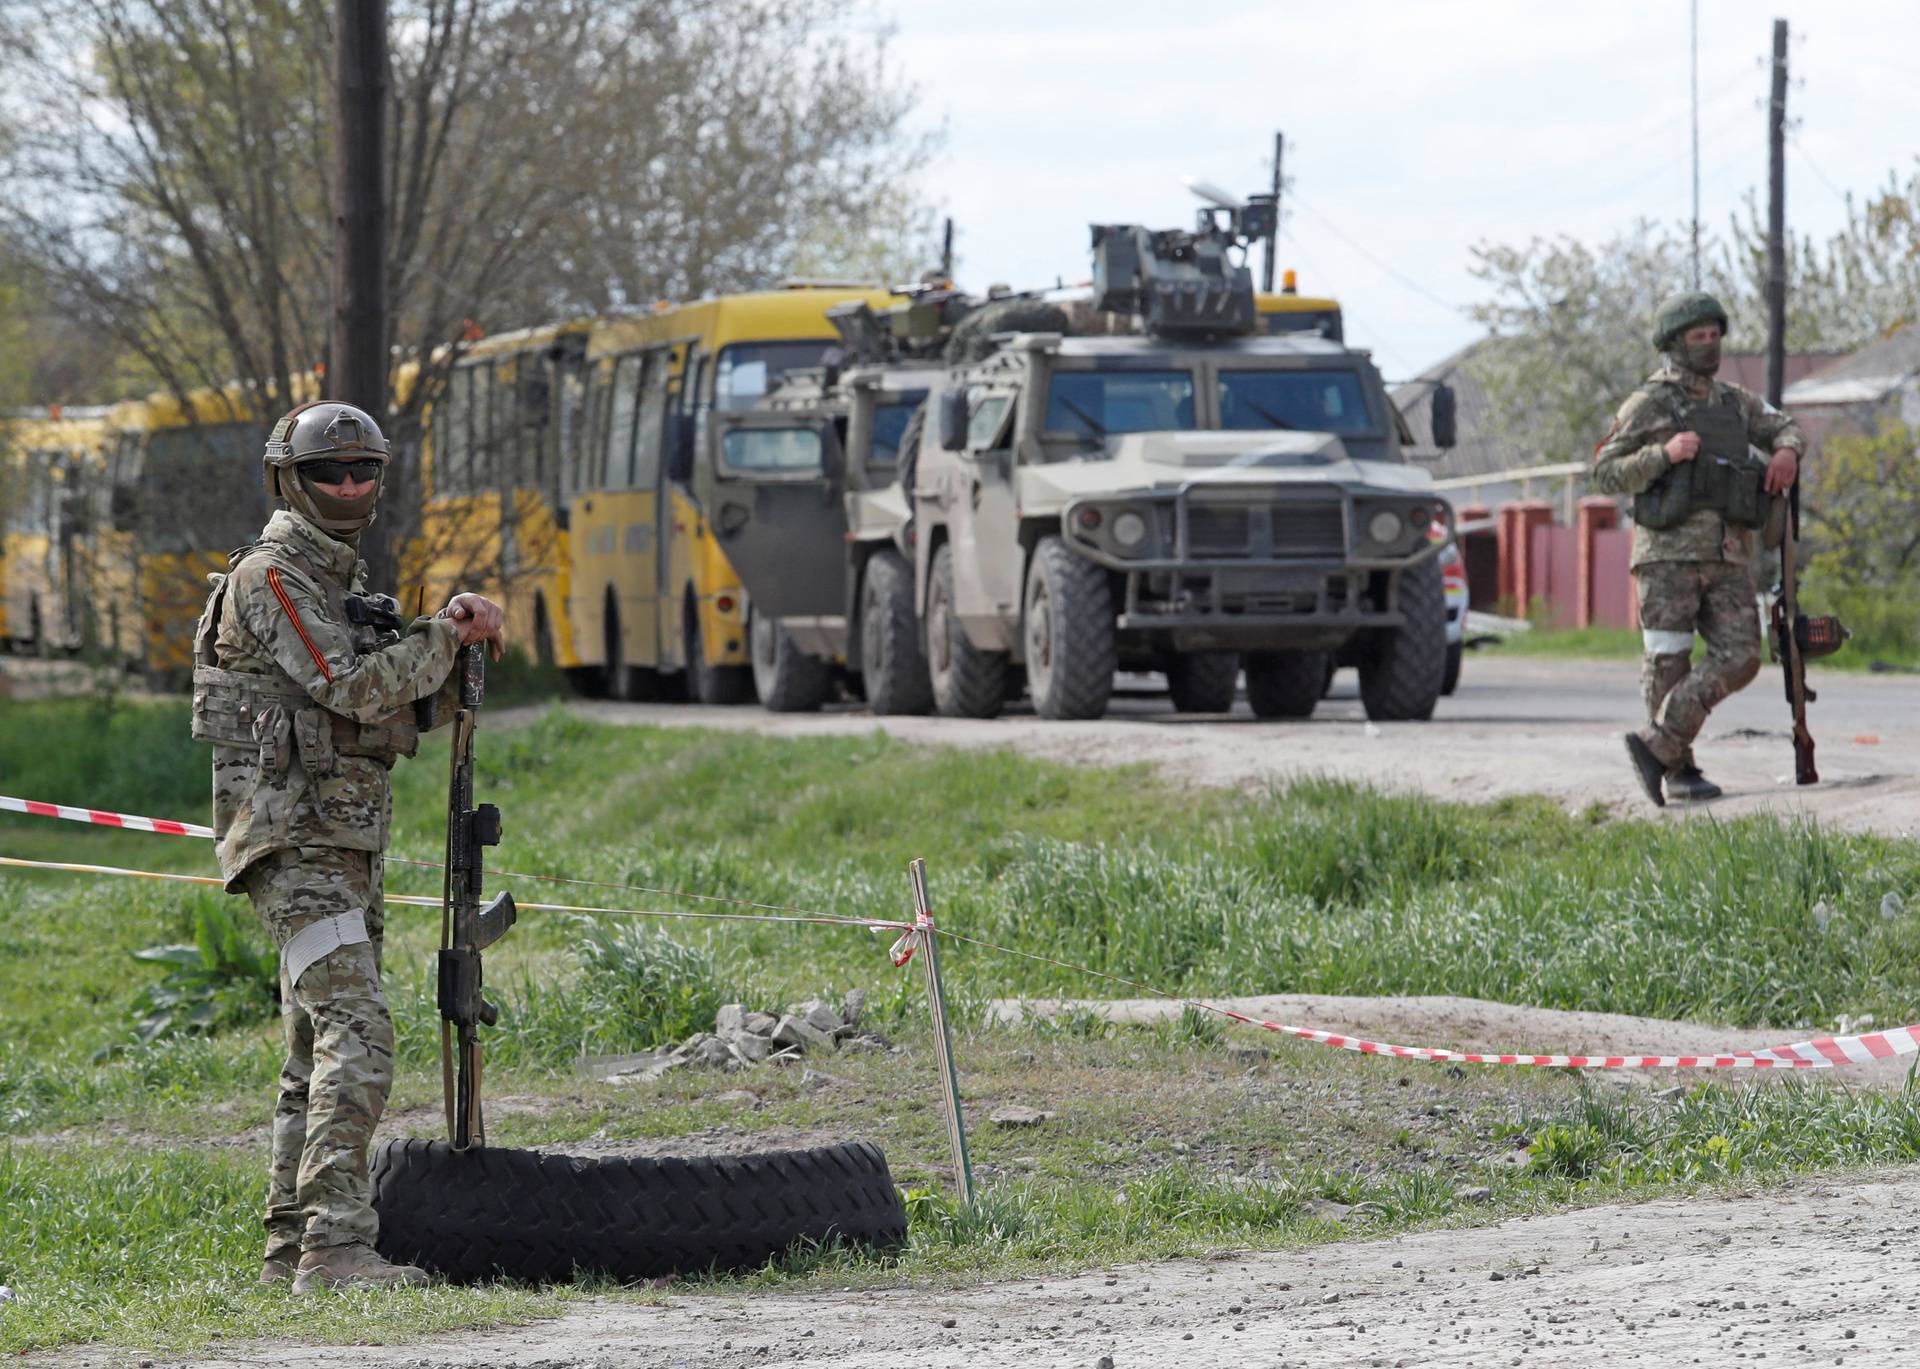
1694 81
1212 193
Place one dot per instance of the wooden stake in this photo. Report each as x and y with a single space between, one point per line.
942 1038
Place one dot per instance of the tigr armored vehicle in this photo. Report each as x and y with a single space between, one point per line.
1189 500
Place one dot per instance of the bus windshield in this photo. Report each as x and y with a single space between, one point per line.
189 498
1311 401
1097 404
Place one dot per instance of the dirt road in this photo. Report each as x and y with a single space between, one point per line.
1516 726
1819 1274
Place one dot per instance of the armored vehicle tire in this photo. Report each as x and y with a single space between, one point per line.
712 684
1402 670
488 1212
1203 681
1286 684
787 679
1450 679
966 681
892 665
1068 622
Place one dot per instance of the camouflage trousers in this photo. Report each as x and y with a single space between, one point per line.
339 1038
1678 598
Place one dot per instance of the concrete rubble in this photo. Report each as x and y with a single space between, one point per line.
743 1039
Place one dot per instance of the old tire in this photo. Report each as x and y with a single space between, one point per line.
1203 681
712 684
1403 669
520 1214
893 667
1286 684
787 679
1069 633
967 682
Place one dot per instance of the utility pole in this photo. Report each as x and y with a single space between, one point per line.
1273 236
1693 85
1777 219
358 367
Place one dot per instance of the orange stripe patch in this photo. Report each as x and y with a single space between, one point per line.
273 579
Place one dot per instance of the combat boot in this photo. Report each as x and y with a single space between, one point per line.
1688 785
280 1265
352 1266
1649 767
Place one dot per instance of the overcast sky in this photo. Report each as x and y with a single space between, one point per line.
1414 130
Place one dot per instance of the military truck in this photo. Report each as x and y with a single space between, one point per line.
811 511
1192 499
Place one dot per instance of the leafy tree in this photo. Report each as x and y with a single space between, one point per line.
1862 521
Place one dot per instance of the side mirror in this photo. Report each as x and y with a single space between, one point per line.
1445 415
953 420
679 445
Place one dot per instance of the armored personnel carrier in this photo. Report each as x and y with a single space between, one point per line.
1193 499
809 506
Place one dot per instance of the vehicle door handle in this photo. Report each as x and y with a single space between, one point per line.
973 493
733 517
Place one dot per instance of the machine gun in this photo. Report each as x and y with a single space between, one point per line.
467 928
1795 638
1181 283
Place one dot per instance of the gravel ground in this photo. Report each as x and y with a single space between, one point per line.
1516 726
1819 1274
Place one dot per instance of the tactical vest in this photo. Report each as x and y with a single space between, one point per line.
245 709
1723 477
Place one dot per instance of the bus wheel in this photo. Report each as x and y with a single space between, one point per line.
542 635
713 684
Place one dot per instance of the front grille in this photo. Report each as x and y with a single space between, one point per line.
1309 530
1219 530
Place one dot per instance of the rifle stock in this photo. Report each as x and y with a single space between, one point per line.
466 926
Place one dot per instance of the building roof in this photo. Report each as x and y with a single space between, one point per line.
1863 377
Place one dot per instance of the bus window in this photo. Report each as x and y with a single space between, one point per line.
183 470
653 416
452 443
483 468
624 405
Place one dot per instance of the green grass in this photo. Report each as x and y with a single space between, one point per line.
1867 646
1321 886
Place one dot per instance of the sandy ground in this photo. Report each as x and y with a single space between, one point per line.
1516 726
1818 1274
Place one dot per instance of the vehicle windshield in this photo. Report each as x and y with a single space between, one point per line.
771 451
1098 404
889 426
1311 401
747 370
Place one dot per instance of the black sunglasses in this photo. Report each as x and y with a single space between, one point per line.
339 472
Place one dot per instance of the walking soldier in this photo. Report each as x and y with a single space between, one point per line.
1681 447
305 685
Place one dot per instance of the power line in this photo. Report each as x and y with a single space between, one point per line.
1818 174
1408 281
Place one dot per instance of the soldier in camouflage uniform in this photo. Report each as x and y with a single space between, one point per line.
1681 446
305 686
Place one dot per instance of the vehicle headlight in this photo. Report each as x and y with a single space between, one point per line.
1384 527
1129 530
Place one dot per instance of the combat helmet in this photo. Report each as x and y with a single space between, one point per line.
324 430
1688 309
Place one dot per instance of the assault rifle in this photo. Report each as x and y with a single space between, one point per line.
467 928
1795 637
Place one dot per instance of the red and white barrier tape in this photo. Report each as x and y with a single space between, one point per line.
104 819
1818 1053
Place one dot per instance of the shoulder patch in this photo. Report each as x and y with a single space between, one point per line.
293 616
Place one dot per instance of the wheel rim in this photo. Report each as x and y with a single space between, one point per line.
1039 635
869 628
939 635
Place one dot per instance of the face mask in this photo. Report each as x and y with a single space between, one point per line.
345 519
1702 358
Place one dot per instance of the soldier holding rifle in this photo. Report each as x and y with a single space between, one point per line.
1681 447
305 685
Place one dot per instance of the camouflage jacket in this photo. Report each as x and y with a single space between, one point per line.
306 710
1634 456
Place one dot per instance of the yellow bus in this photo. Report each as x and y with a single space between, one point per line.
494 520
652 604
1289 311
50 464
